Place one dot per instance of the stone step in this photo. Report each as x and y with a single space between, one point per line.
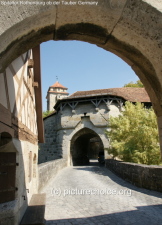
34 214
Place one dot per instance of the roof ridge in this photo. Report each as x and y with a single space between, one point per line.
132 94
73 93
57 84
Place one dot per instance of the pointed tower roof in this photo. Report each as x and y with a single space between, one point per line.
58 85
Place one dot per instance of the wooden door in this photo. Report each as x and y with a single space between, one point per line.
7 176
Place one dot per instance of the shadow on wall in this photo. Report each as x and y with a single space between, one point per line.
13 193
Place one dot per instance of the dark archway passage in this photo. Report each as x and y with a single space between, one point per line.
95 146
81 147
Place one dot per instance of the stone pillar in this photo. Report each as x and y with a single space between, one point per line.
159 121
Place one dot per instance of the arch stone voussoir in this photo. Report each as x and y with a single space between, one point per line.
55 22
134 39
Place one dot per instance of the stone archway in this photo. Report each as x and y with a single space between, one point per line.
131 29
80 149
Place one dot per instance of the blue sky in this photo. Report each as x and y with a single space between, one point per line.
81 66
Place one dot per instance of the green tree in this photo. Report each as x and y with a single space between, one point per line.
132 84
46 113
134 135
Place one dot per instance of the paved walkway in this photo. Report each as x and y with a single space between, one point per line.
93 195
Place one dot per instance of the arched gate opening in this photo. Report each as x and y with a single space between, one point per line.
82 149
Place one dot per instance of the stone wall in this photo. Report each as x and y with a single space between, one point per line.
144 176
48 150
48 170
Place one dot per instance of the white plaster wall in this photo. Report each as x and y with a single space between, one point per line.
22 176
12 212
11 88
114 110
3 99
18 93
53 97
25 106
52 101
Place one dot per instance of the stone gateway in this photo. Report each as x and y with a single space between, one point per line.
76 129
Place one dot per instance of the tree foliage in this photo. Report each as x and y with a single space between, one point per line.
46 113
134 135
132 84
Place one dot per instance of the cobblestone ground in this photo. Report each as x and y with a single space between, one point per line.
94 195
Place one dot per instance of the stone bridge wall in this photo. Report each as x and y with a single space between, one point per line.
48 170
144 176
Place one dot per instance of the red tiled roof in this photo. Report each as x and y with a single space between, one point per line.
58 85
59 92
131 94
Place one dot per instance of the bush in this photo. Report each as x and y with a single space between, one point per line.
134 135
132 84
46 113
